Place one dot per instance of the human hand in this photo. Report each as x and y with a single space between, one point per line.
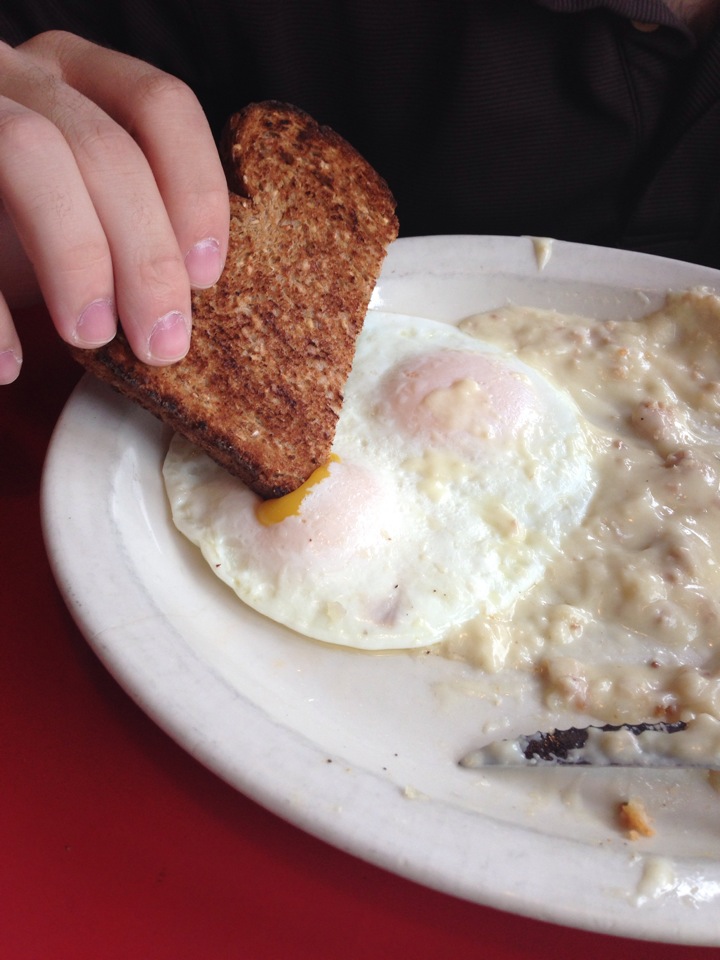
114 192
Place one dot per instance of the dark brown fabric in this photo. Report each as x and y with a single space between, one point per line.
546 117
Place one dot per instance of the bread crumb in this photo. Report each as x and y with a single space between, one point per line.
634 818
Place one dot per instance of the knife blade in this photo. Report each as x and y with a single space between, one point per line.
692 743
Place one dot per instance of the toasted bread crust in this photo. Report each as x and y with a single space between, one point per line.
273 342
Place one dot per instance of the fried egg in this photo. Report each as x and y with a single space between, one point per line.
457 471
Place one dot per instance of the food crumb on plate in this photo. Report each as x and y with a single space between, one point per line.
634 818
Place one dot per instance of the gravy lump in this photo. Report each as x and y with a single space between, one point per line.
625 624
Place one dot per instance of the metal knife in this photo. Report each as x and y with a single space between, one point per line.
695 743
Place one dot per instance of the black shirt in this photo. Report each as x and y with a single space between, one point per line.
542 117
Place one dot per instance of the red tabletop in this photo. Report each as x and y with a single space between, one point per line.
115 843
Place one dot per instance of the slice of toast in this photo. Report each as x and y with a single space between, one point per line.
273 341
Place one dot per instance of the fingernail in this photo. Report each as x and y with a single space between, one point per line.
169 338
10 363
203 263
97 324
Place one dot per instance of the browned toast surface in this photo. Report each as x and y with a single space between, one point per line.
261 387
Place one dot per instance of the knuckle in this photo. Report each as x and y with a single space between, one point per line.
56 51
84 256
104 143
23 132
49 41
208 207
162 276
161 92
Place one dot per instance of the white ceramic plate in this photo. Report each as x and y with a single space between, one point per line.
362 750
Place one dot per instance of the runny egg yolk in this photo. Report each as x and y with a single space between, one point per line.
269 512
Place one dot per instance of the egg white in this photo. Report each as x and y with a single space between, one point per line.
460 471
